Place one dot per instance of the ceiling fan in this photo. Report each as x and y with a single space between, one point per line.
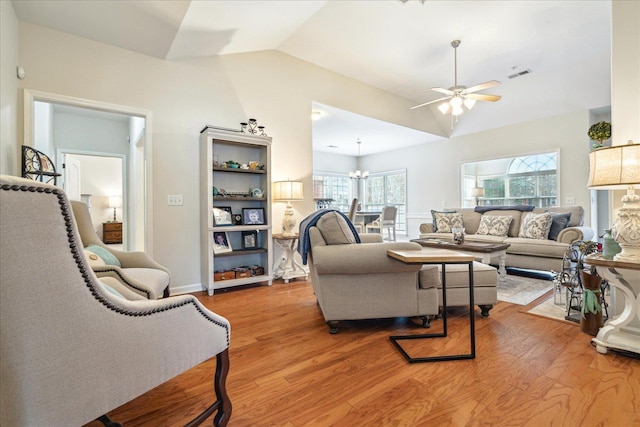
459 95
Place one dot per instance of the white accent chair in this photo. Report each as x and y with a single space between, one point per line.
137 271
71 350
387 220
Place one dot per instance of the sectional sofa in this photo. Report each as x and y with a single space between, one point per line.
535 243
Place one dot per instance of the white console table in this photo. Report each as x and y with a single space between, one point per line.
622 330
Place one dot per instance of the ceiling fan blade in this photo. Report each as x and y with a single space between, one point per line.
442 90
430 102
482 86
482 97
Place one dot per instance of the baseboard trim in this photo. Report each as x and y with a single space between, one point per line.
187 289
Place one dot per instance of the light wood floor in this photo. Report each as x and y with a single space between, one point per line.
287 370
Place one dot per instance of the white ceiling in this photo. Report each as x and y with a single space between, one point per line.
400 47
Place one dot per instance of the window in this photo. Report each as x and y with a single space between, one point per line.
530 180
388 188
333 186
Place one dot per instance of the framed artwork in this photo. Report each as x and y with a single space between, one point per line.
253 216
249 239
221 242
222 215
237 219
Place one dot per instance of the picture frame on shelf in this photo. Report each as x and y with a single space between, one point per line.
237 219
222 215
252 216
221 242
250 239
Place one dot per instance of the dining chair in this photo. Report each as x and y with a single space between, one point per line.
386 220
352 216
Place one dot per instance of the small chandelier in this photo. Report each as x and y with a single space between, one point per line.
358 174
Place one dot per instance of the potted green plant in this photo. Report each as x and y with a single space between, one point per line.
600 132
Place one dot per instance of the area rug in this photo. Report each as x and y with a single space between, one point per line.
548 309
522 290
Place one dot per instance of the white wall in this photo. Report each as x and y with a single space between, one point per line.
9 148
433 170
185 95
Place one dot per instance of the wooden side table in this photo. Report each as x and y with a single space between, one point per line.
290 268
112 232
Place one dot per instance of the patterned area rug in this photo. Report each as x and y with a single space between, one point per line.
522 290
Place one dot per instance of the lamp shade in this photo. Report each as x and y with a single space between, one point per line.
615 167
477 192
287 191
115 201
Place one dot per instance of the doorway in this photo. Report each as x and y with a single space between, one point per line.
133 149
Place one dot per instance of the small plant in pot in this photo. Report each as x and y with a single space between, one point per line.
599 132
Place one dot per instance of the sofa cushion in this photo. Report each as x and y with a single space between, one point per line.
494 225
536 247
458 276
429 276
514 228
535 226
559 221
335 230
445 221
577 213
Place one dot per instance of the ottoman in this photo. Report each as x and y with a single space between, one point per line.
485 277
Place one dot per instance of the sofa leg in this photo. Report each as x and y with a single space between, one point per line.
333 326
485 309
426 321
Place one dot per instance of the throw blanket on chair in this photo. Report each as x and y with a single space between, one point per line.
304 243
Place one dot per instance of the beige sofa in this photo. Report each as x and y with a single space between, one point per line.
359 281
523 252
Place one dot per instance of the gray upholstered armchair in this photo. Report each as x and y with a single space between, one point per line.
359 281
71 349
136 270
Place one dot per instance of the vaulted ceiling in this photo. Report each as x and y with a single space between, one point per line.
402 47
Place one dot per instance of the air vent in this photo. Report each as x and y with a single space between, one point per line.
520 73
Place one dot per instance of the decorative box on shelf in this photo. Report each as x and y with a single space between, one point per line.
224 275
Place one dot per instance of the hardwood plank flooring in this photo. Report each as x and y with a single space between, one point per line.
287 370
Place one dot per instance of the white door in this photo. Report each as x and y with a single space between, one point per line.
72 174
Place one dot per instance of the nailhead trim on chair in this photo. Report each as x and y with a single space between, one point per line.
127 282
84 269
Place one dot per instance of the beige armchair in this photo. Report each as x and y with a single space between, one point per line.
359 281
137 270
71 349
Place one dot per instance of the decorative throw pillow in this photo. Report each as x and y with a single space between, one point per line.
559 221
107 257
445 221
535 226
335 230
94 260
494 225
433 216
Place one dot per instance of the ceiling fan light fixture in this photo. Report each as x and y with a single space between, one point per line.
444 108
456 102
457 111
469 103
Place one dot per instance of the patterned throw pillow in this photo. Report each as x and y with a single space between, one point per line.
444 222
494 225
536 226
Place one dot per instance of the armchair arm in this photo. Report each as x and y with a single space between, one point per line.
426 227
571 234
365 258
136 260
370 238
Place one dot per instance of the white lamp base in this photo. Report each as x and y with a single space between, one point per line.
626 229
288 221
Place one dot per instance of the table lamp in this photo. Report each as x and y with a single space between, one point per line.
115 202
476 193
287 191
615 168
